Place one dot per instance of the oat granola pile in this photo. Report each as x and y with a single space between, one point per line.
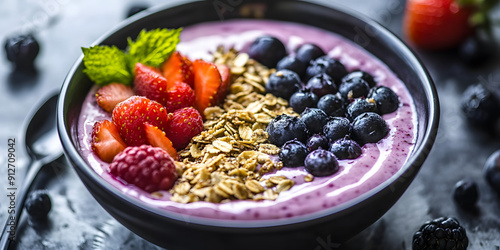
229 158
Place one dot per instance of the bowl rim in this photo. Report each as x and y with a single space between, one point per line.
415 161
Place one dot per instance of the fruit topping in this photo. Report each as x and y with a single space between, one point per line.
480 106
283 83
333 105
150 83
491 170
321 162
267 50
302 99
360 106
475 50
360 74
285 128
317 141
292 63
130 115
180 95
440 233
308 52
225 74
38 204
314 119
387 101
465 193
147 167
157 138
22 50
110 95
337 128
369 127
207 84
345 148
183 124
327 65
351 88
322 84
178 68
293 153
106 141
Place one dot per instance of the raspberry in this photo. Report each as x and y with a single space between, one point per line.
149 168
183 124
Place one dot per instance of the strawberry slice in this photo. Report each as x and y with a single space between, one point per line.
108 96
157 138
207 82
178 68
225 74
106 140
180 95
150 83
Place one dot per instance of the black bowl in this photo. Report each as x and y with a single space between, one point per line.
319 230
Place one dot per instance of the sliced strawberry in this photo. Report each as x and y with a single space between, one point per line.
183 124
178 68
106 140
150 83
180 95
207 82
225 74
130 115
157 138
108 96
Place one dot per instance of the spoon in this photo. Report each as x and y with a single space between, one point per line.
43 146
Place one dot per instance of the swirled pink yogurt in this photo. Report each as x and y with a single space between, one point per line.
378 162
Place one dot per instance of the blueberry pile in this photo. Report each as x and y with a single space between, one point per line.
340 111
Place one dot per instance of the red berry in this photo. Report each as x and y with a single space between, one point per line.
178 68
150 83
130 115
108 96
149 168
183 124
157 138
207 83
180 95
225 74
106 140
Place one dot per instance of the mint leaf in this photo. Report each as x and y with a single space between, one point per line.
104 65
153 47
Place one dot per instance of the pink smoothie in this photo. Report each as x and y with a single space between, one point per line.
378 162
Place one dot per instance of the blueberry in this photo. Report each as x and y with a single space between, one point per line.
317 141
360 74
360 106
136 8
293 153
333 105
327 65
321 162
369 127
322 84
22 50
387 101
292 63
315 119
345 148
491 170
308 52
465 193
267 50
354 88
480 106
475 51
283 83
336 128
38 204
285 128
302 99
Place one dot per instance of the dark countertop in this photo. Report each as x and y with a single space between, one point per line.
78 222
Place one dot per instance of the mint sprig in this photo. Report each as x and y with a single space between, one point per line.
106 64
481 12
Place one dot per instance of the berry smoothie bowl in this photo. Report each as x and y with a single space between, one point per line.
247 133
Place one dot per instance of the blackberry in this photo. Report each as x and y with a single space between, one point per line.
321 162
267 50
324 64
475 51
285 128
369 127
440 234
480 106
293 153
38 204
354 88
465 193
360 106
387 101
292 63
314 119
317 141
322 84
22 50
333 105
491 170
308 52
337 128
345 148
302 99
283 83
360 74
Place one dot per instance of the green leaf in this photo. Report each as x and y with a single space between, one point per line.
153 47
104 65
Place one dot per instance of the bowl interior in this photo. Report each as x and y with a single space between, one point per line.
354 27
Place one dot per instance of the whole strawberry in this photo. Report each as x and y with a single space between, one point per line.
130 115
183 124
147 167
180 95
150 83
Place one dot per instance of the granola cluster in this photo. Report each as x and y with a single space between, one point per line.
228 160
